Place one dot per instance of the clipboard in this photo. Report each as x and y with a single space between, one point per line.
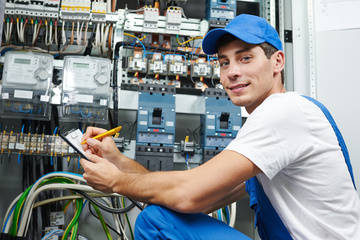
73 138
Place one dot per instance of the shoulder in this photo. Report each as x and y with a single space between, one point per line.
282 108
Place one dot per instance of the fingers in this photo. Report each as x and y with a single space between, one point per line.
92 157
92 132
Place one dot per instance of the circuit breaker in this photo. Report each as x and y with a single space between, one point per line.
220 12
220 123
156 126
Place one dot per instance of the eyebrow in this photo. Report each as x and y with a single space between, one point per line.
236 52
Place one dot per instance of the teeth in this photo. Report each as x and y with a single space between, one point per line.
240 86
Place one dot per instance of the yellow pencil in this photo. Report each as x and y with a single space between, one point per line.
108 133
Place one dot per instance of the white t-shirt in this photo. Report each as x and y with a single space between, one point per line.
304 173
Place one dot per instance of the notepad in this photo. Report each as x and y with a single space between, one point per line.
73 138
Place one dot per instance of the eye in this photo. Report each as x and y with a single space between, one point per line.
224 64
245 59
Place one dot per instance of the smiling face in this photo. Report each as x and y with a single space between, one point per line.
247 75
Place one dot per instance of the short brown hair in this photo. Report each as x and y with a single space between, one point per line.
268 49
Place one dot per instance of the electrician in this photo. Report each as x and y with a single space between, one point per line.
287 152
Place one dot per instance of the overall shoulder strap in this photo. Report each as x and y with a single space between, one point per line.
338 135
267 221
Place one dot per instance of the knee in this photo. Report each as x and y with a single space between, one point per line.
148 222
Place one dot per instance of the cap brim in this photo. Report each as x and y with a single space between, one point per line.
210 39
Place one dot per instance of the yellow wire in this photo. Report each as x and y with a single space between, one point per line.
140 39
191 39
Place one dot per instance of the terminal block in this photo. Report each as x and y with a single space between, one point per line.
201 69
137 64
157 66
177 67
216 70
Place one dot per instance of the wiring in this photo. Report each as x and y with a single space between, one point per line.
191 39
26 201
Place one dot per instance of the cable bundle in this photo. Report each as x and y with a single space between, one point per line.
18 214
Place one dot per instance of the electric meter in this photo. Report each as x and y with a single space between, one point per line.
85 89
26 85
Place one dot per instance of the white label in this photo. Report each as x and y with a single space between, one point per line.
57 218
210 116
20 146
169 124
11 145
23 94
170 137
103 102
236 128
5 96
44 98
143 112
84 98
143 123
211 127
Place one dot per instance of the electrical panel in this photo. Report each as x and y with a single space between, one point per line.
85 89
220 123
25 91
156 126
220 12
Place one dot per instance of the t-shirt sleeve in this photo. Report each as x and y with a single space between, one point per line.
274 136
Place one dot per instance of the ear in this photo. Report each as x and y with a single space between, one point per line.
279 58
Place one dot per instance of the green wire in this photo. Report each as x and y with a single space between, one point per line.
103 224
79 204
128 222
18 208
21 201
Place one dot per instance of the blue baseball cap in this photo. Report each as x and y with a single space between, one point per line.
248 28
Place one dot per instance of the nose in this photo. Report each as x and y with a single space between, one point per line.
234 71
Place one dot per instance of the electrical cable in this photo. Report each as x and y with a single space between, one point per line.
191 39
232 215
103 207
112 229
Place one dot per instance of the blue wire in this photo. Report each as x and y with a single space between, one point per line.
141 45
56 128
89 115
219 214
197 45
156 53
7 219
4 51
227 214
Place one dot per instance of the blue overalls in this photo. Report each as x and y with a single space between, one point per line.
267 220
157 222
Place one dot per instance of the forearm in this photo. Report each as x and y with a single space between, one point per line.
129 165
235 195
195 190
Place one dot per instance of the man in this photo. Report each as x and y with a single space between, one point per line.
286 142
